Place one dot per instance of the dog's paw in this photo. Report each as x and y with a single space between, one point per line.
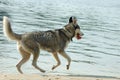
53 67
43 71
68 66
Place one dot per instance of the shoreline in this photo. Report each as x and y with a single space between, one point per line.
4 76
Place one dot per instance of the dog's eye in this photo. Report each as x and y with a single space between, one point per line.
77 27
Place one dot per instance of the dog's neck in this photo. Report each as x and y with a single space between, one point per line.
66 33
69 34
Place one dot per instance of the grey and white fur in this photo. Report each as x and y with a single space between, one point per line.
54 41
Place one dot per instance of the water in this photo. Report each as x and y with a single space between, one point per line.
97 53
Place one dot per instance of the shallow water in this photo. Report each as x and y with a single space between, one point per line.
97 53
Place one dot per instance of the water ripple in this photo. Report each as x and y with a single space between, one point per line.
100 46
83 61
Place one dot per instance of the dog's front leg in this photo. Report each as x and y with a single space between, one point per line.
62 53
55 55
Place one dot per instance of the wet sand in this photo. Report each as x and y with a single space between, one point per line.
49 77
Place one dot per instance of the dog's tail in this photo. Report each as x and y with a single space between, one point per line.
8 31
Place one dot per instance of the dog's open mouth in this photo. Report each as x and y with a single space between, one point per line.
78 36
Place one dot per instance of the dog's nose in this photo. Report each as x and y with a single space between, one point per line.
81 33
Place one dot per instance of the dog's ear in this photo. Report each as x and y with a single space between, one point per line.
70 20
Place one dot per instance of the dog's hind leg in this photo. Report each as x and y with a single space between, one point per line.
62 53
35 58
55 55
25 57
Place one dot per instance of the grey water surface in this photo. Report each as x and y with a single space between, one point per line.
97 53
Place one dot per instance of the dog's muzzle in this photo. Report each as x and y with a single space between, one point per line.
78 33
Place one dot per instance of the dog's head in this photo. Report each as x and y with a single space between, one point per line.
73 28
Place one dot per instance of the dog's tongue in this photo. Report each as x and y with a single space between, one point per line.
78 36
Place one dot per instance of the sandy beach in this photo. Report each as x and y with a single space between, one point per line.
48 77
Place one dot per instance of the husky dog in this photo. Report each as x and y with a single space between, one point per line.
54 41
